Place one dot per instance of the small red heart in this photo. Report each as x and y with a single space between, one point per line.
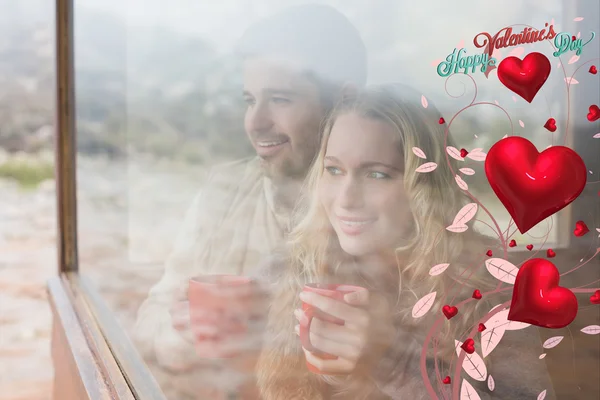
468 346
580 229
488 253
593 70
550 253
538 300
463 153
594 113
477 294
481 327
512 243
574 38
449 311
595 298
442 121
550 124
529 247
447 380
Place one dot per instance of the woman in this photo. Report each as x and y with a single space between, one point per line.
372 220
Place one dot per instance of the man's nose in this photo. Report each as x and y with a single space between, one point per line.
259 118
350 194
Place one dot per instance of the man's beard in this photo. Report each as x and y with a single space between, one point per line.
286 169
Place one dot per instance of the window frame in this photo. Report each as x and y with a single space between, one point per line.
105 360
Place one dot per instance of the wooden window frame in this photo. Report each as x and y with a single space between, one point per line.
93 357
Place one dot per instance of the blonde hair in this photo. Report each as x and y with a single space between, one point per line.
313 252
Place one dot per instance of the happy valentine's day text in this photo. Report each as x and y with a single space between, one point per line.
456 62
527 35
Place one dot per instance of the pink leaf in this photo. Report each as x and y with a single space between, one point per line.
437 62
502 270
438 269
492 335
552 22
472 364
468 392
591 330
461 184
427 167
424 101
496 54
477 155
574 59
552 342
578 19
516 52
542 356
578 35
522 124
423 305
419 153
460 44
454 153
559 65
457 228
496 101
514 99
470 171
571 81
596 136
491 383
542 395
504 137
465 214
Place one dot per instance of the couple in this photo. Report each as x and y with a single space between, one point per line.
334 185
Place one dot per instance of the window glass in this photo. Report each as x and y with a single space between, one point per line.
197 123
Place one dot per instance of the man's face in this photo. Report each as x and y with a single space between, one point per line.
283 116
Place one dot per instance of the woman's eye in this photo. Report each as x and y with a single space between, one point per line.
249 101
378 175
280 100
333 170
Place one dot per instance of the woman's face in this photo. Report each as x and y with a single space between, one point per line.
362 189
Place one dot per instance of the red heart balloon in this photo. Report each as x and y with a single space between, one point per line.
481 327
531 185
550 125
595 298
538 300
447 380
526 77
476 294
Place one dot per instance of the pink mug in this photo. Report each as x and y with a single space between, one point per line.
334 291
228 303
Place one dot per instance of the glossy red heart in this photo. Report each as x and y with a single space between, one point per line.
447 380
595 298
525 77
512 243
449 311
442 121
531 185
538 300
580 229
477 294
529 247
489 253
463 153
550 125
593 70
550 253
481 327
594 113
468 346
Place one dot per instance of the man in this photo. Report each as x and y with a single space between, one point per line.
296 65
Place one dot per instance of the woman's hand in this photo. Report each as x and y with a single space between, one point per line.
349 341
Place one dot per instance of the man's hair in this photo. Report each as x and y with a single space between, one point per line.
320 37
